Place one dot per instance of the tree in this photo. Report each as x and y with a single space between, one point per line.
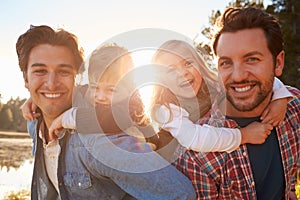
288 14
11 116
6 117
0 103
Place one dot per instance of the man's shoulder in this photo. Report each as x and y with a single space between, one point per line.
295 102
295 91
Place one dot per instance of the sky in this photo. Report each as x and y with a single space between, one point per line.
93 21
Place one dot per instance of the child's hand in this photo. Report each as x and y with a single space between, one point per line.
167 117
275 112
65 120
56 126
29 110
256 133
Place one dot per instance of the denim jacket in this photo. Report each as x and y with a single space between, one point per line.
96 166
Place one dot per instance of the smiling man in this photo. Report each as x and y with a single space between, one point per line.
249 47
51 71
247 73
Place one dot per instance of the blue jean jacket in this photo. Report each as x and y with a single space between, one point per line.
96 166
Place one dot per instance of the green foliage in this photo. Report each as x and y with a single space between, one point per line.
6 117
11 116
244 3
288 14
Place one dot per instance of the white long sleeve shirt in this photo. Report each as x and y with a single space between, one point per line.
206 138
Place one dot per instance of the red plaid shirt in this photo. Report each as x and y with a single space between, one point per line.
222 175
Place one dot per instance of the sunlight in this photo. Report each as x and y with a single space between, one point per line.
144 75
10 179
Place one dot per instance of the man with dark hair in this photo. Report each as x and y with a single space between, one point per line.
248 45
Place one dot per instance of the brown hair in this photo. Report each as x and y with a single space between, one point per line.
235 19
107 58
107 61
43 34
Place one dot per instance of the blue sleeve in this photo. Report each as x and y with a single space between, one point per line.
139 171
31 128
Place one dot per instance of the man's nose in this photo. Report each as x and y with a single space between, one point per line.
239 72
52 80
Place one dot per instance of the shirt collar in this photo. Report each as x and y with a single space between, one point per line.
42 136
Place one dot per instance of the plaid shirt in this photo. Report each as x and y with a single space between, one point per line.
222 175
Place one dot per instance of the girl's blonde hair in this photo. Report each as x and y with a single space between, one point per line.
209 86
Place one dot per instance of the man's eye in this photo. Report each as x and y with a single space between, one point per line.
253 59
224 63
65 72
39 71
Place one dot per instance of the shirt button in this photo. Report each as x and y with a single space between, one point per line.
60 184
244 153
252 183
79 184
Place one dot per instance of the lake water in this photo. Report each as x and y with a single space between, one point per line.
14 180
16 165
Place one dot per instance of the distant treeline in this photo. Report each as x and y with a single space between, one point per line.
11 116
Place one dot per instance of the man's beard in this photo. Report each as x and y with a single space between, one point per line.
243 106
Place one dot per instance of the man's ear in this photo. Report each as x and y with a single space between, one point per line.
26 85
25 80
279 63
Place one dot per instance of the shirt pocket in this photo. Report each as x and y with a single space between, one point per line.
77 180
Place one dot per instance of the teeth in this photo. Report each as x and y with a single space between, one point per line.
53 95
243 89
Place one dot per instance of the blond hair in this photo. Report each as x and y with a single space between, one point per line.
209 86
